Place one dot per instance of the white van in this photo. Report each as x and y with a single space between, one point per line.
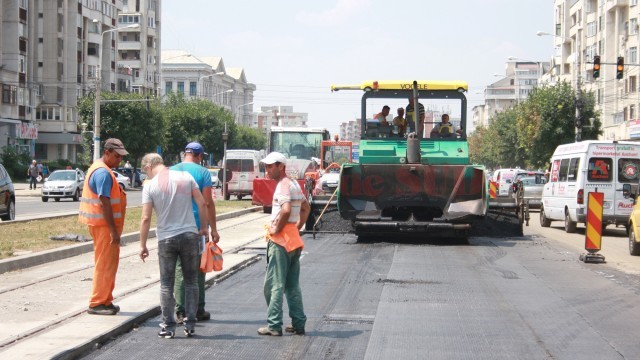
244 166
504 179
587 166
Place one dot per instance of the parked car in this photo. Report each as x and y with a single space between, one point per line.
63 184
630 191
123 181
7 196
529 189
215 181
140 177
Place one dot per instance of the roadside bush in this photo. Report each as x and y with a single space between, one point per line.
15 162
62 164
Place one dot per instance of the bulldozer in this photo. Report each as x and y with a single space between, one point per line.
414 177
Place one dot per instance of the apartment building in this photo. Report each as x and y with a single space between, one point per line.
350 130
520 78
608 28
278 116
53 52
209 79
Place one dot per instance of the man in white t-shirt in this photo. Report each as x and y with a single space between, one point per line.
170 193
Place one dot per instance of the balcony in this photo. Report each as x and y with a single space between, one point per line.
612 4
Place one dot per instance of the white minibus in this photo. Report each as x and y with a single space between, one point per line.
589 166
243 166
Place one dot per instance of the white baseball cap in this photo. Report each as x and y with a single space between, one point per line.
273 158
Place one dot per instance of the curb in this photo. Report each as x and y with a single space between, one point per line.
30 260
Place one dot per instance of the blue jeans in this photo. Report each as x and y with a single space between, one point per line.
185 247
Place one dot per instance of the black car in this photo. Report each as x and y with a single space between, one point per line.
7 196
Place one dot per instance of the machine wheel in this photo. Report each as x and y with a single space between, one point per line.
45 199
569 226
239 197
266 209
544 221
11 211
634 246
76 195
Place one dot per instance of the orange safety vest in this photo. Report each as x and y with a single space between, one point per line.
289 237
90 206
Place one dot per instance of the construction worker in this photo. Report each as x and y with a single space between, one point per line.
102 208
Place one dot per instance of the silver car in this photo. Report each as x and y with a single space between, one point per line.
63 184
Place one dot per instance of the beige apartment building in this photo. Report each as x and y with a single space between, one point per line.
53 52
283 116
608 28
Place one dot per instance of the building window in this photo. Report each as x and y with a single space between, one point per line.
591 29
91 71
633 85
9 94
181 87
633 55
168 87
633 26
192 88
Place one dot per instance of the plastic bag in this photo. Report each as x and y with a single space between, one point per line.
211 259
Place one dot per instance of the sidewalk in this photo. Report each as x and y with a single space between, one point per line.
57 325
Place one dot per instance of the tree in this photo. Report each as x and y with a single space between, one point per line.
527 134
137 124
200 120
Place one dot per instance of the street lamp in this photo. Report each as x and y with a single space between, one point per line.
238 110
225 137
207 76
96 118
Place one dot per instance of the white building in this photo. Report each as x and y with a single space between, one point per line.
350 130
207 78
279 116
519 80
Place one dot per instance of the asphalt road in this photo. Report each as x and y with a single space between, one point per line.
496 298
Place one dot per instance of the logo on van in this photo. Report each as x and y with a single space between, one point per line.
630 171
622 205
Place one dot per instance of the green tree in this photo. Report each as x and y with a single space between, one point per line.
188 120
138 124
527 134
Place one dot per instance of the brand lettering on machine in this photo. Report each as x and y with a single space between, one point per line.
410 86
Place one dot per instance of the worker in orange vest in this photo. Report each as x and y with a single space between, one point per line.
289 214
102 208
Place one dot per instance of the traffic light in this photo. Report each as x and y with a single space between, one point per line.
620 67
596 66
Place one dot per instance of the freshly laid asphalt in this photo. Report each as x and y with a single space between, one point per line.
71 339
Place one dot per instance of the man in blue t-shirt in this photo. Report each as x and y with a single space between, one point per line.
194 153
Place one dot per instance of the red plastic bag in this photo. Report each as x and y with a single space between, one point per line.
211 259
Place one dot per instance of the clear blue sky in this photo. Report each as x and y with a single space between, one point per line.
294 50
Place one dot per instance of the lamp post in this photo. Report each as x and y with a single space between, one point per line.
96 118
578 101
225 137
207 76
221 92
238 111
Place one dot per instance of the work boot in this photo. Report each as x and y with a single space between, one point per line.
102 310
291 329
180 317
203 315
266 331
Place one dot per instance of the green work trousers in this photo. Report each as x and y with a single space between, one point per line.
283 278
178 289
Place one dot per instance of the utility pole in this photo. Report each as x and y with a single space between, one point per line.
578 103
